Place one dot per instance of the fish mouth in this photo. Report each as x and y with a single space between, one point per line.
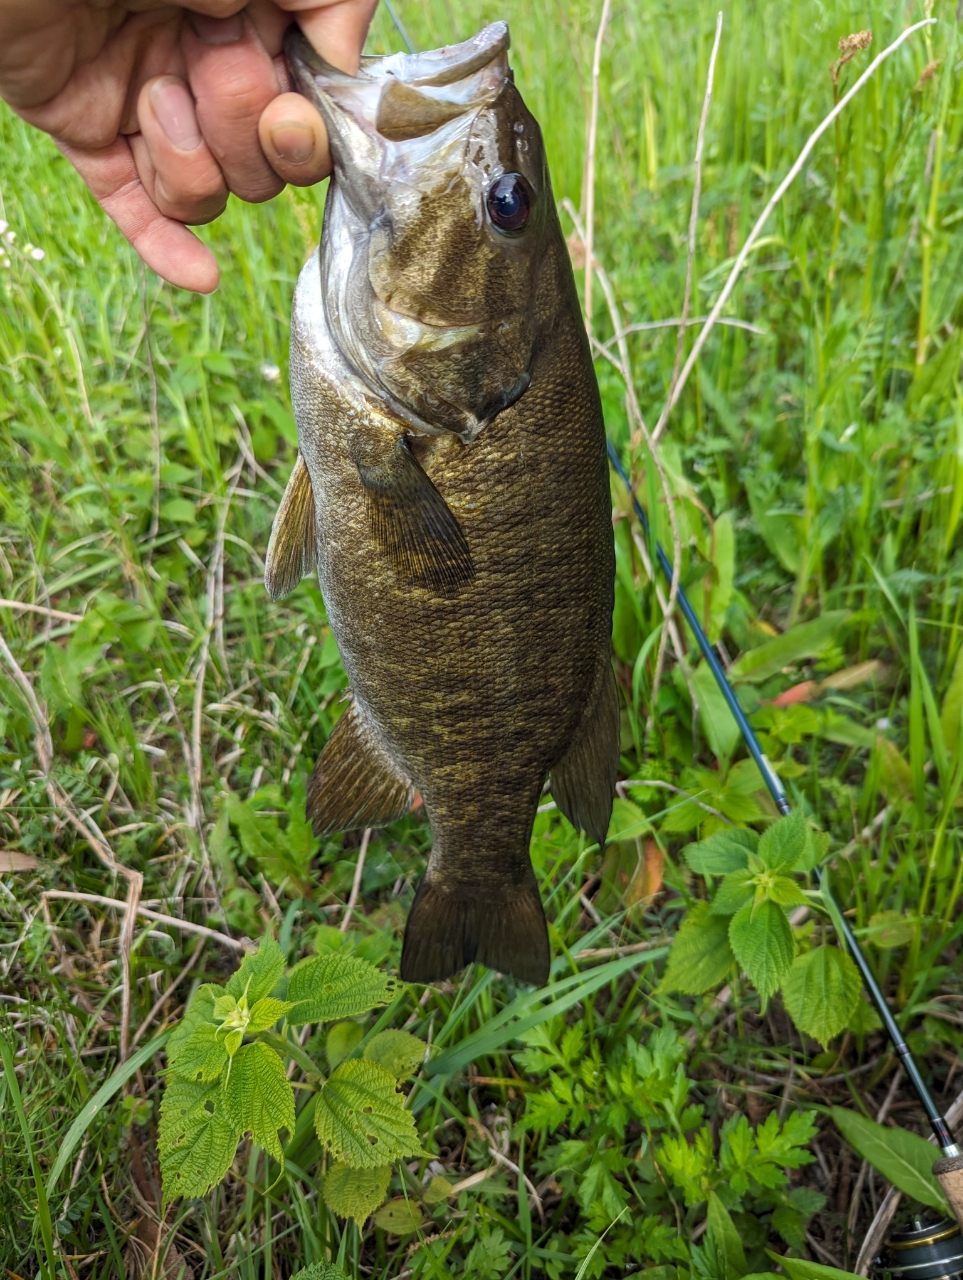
402 96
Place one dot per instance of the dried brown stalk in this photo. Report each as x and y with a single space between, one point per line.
593 129
85 825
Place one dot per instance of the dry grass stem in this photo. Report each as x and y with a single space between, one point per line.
57 614
588 239
85 825
149 914
777 195
694 213
356 883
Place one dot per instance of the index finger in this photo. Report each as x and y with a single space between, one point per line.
336 28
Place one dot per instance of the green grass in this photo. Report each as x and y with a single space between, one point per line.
131 419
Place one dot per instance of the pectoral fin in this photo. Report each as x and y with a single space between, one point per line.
293 550
583 781
355 782
414 525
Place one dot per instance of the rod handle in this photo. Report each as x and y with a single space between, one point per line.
948 1172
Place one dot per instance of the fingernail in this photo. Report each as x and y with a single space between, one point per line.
174 109
293 141
218 30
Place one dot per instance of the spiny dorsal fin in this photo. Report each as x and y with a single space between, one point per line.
293 549
414 524
583 781
355 783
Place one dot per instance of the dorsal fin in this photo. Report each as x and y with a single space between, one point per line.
293 549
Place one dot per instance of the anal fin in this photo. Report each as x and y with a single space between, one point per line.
583 781
414 525
450 926
293 548
355 783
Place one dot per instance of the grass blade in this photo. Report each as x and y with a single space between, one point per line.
43 1207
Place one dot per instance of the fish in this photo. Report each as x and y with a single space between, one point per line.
451 491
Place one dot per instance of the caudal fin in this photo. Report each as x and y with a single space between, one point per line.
451 927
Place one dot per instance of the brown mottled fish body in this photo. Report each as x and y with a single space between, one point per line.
452 486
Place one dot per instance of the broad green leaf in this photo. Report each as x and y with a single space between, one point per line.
952 709
259 973
803 1269
821 992
200 1014
889 929
437 1191
341 1041
196 1140
400 1217
723 1231
806 640
722 852
718 722
336 986
737 889
762 942
355 1193
397 1051
200 1055
903 1158
360 1116
259 1096
266 1012
784 843
701 956
864 1018
60 678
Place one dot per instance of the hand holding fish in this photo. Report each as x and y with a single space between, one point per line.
165 110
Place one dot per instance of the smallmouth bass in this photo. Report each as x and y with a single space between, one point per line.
451 489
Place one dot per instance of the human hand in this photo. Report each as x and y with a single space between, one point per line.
165 110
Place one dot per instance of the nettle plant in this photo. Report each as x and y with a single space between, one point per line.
754 884
226 1078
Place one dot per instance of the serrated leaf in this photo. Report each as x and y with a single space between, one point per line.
400 1217
335 986
259 973
320 1271
803 1269
259 1096
784 843
201 1055
701 956
232 1042
762 942
821 992
266 1012
903 1158
199 1012
360 1116
197 1138
355 1193
722 852
736 890
787 893
397 1051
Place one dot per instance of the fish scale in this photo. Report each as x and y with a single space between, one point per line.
452 484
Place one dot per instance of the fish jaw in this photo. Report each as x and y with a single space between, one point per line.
427 300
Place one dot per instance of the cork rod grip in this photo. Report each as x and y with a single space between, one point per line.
949 1174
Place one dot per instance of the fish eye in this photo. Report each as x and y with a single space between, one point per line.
510 200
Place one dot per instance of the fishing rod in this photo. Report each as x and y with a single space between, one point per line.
949 1169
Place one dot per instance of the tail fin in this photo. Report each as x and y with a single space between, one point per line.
451 927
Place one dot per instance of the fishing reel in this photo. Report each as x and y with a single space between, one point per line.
921 1247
